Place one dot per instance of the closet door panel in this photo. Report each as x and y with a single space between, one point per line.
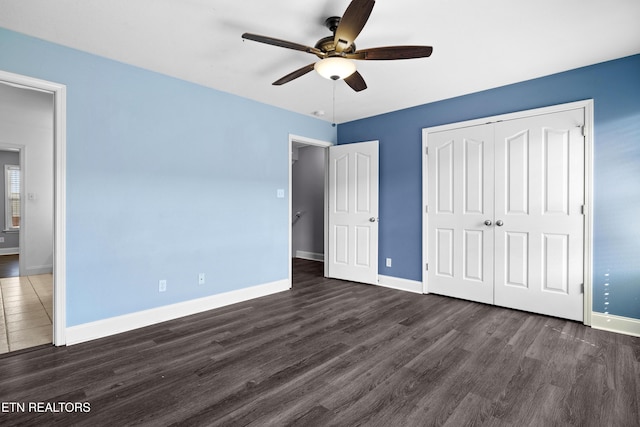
539 233
460 170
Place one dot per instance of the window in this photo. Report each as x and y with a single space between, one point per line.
12 197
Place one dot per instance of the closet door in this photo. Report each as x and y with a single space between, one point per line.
539 225
460 201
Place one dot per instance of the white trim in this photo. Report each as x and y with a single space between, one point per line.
115 325
318 143
512 116
9 251
60 199
37 269
311 256
23 210
310 141
587 105
425 218
588 211
400 284
8 223
22 154
619 324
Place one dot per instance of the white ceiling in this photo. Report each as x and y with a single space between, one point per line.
477 44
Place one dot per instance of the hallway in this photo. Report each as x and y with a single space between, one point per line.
26 308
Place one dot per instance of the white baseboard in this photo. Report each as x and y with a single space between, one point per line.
312 256
38 269
9 251
115 325
619 324
400 284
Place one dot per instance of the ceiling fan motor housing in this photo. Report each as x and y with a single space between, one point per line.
332 23
327 45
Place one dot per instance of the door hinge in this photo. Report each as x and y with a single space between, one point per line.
426 209
426 266
583 131
426 150
583 209
582 288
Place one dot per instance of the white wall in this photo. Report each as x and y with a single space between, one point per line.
26 119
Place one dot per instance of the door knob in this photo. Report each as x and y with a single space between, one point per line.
499 223
488 222
372 219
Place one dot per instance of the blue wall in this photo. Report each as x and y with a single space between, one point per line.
615 88
165 179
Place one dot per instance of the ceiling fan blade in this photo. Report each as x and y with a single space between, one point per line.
352 23
392 52
282 43
292 76
356 82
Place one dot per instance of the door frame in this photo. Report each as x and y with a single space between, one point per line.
587 105
20 149
321 144
59 92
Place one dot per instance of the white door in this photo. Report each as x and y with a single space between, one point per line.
353 212
460 201
539 224
505 213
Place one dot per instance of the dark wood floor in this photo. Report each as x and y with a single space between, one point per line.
337 353
9 266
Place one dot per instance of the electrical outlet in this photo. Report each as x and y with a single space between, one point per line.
201 279
1 239
388 264
162 286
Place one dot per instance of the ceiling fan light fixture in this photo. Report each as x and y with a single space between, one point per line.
335 68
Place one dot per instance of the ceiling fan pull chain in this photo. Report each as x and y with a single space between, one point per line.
334 104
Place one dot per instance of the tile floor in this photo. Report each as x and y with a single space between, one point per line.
26 312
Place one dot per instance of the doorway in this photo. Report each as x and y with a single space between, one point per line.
26 217
43 197
507 211
308 175
350 208
308 200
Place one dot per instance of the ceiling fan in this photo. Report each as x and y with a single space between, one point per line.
337 51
